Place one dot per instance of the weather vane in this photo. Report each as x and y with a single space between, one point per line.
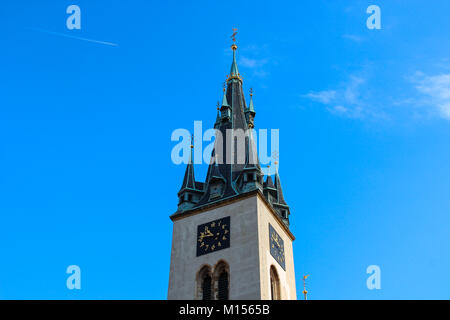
304 285
233 36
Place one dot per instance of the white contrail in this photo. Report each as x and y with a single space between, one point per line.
75 37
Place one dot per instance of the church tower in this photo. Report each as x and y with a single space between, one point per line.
231 237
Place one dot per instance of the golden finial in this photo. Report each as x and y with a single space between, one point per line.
224 86
218 105
304 285
275 156
233 37
251 92
192 141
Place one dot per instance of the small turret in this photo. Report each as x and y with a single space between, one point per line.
189 193
280 205
274 194
250 112
218 118
225 109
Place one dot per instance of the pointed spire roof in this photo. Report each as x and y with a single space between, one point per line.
234 72
224 99
189 177
250 105
217 123
280 197
233 176
233 116
269 182
234 69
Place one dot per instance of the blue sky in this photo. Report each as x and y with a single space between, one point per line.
364 120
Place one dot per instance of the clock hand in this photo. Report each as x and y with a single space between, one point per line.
207 232
276 240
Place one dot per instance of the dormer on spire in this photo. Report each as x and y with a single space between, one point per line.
269 184
270 192
216 184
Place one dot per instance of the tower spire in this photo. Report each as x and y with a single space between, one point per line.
234 168
234 68
234 72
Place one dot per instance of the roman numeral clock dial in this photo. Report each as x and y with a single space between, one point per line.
213 236
276 247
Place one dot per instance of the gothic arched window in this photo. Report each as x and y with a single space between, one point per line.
204 283
275 293
223 286
221 281
206 288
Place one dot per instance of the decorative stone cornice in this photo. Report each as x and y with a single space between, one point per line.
223 202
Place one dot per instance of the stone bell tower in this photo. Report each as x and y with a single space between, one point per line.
231 237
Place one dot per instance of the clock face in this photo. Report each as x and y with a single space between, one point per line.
213 236
276 247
